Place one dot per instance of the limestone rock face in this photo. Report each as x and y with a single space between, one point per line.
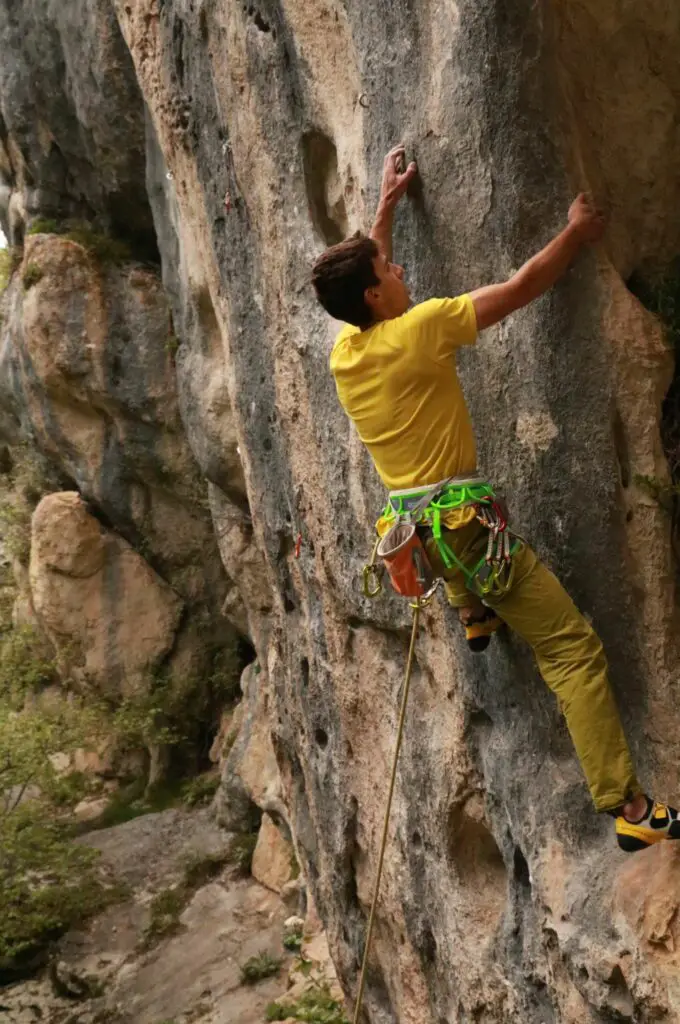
111 618
267 125
273 857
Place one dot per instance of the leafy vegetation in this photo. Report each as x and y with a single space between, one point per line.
21 488
316 1006
31 275
259 967
47 885
43 226
201 790
10 258
26 665
292 939
179 714
103 247
165 911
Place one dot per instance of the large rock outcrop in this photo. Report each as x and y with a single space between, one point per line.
267 123
111 619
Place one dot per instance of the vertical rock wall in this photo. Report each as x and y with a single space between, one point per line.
504 898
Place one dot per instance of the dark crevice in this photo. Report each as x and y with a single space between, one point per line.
520 869
326 202
622 454
659 292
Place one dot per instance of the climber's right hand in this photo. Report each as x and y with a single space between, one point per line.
396 179
586 219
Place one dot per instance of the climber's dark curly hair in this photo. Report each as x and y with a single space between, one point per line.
342 274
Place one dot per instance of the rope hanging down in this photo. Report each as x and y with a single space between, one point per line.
417 605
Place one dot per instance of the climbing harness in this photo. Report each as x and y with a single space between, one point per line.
416 606
416 515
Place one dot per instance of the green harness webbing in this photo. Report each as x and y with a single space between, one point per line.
484 576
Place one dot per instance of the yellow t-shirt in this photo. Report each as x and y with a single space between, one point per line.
398 382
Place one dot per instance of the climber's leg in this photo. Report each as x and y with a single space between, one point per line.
480 622
573 664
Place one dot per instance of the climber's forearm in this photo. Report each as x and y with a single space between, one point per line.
586 226
534 278
544 269
381 232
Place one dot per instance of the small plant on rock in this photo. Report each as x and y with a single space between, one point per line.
259 967
316 1006
165 910
201 790
10 259
293 934
104 248
32 274
44 226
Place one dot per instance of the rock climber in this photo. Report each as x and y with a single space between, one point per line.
395 373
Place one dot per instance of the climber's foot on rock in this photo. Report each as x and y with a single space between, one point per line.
480 625
655 823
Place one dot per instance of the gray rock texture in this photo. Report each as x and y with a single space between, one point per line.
504 898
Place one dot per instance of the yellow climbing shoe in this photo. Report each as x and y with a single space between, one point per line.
659 822
478 632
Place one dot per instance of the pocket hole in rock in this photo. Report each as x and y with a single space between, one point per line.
324 187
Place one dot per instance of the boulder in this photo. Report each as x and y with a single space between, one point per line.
108 614
274 858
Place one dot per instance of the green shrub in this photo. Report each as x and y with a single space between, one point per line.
32 274
48 884
201 790
15 527
44 226
316 1006
30 477
103 248
10 259
165 910
259 967
26 665
292 940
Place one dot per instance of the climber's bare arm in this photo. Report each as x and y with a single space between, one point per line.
394 185
586 225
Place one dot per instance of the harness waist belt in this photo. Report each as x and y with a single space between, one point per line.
445 496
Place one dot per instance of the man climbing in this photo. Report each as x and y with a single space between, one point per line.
395 373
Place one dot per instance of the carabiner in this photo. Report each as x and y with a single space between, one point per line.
372 577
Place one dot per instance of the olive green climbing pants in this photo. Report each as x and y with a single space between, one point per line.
569 655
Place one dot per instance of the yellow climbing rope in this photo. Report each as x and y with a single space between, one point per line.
416 605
